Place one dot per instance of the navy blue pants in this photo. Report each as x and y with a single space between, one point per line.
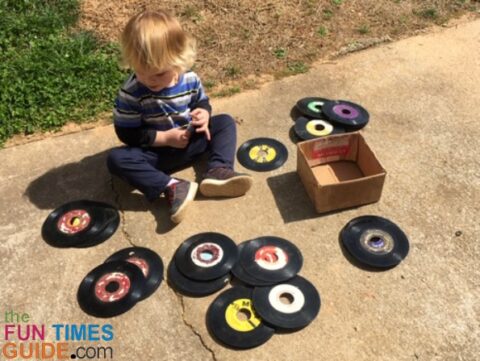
147 169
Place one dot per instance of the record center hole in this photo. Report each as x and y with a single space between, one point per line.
112 287
262 153
75 221
286 298
206 255
244 314
346 111
376 242
319 127
270 257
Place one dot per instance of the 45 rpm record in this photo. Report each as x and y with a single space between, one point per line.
189 287
375 241
242 275
271 259
262 154
147 261
206 256
111 289
311 107
290 305
81 223
232 319
347 114
314 128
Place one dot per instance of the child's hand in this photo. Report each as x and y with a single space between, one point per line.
200 119
176 138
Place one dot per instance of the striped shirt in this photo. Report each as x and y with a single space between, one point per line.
138 107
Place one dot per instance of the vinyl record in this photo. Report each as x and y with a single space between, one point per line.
375 241
81 223
306 129
242 275
290 305
347 114
271 259
262 154
149 263
192 288
311 107
206 256
233 321
111 289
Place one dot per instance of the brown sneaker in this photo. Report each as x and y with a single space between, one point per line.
179 196
225 182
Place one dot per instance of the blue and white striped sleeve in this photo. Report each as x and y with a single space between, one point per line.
127 111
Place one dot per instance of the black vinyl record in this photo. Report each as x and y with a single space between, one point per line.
80 223
306 129
147 261
347 114
375 241
271 259
242 275
192 288
262 154
111 289
206 256
311 106
232 320
290 305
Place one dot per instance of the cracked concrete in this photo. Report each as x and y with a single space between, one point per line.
420 93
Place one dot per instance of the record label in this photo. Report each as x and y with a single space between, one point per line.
262 153
377 241
241 316
271 258
319 127
112 286
74 221
350 115
311 106
295 297
207 254
140 263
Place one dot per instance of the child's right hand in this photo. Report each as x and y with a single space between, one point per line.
176 138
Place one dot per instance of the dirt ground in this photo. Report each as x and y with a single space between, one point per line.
243 43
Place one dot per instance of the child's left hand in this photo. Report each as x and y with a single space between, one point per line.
200 119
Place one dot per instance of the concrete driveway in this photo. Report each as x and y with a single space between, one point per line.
423 95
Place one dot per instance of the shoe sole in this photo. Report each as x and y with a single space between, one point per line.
179 215
233 187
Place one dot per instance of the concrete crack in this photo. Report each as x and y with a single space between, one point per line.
123 228
192 328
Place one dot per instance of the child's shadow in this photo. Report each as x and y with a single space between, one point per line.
90 179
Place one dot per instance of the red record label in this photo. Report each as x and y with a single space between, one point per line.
74 221
140 263
112 287
271 257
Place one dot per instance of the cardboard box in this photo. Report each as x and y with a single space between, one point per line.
339 171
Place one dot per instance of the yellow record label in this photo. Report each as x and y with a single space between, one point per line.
262 153
241 316
319 128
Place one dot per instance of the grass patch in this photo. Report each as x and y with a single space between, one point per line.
49 75
227 92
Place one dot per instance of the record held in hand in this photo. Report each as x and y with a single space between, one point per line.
290 305
311 106
81 223
111 289
206 256
147 261
346 114
232 319
262 154
271 259
375 241
189 287
243 275
306 129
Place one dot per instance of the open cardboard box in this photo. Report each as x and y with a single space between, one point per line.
339 171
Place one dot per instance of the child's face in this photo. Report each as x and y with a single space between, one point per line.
156 80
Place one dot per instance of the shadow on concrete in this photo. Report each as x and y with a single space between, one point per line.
90 179
291 198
